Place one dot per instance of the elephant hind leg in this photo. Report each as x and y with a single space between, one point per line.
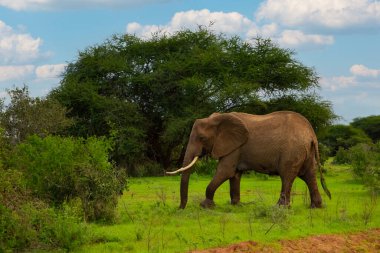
311 182
288 171
287 182
235 188
309 176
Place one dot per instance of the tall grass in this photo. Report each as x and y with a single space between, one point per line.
149 219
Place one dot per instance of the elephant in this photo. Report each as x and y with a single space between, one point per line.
281 143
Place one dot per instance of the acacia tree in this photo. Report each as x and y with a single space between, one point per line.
148 92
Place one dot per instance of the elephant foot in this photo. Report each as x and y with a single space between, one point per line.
316 204
207 203
235 202
283 202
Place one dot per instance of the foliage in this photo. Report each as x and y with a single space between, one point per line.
25 116
34 225
150 91
370 125
146 168
29 223
342 156
57 169
324 152
206 166
365 161
343 136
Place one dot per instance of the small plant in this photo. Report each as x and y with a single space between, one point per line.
161 194
199 219
341 209
250 221
279 215
369 208
306 197
223 223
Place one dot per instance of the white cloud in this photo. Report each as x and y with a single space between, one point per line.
30 73
361 70
331 14
355 80
15 72
50 71
17 47
296 38
337 82
231 23
27 5
225 22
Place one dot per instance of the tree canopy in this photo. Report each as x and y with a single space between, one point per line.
343 136
24 116
370 125
147 93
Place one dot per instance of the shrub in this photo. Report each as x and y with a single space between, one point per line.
58 228
58 169
342 156
365 161
29 223
324 152
206 166
343 136
15 232
146 168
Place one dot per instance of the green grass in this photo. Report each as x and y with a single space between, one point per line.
150 221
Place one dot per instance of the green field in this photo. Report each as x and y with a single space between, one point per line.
149 219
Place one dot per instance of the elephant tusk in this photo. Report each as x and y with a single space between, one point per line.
184 168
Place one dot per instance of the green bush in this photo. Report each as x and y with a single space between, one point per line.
365 161
344 136
206 166
342 156
15 230
324 152
28 223
146 168
57 169
58 228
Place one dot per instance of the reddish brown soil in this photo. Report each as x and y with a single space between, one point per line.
368 241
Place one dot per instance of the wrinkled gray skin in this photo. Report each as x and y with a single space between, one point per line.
280 143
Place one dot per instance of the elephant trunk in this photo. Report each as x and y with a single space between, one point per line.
184 188
189 159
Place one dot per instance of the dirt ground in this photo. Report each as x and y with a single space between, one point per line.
367 241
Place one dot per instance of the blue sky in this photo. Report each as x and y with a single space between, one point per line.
339 38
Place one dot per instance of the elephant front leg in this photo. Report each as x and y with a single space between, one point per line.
225 170
210 191
235 188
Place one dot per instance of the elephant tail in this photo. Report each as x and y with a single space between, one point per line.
317 157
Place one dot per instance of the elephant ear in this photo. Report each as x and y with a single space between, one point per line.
231 134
